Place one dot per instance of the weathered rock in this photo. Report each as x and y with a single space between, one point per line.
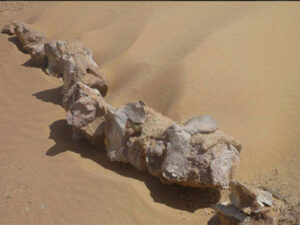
116 120
56 62
128 131
147 140
27 36
229 215
74 62
38 55
155 155
189 163
31 41
9 28
200 124
249 205
83 104
94 131
249 199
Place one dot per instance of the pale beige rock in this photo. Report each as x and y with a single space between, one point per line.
31 41
83 105
155 155
200 124
249 206
38 55
229 215
248 198
138 135
116 120
189 164
74 62
28 36
94 131
9 28
56 62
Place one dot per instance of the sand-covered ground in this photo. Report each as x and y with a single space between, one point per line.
239 62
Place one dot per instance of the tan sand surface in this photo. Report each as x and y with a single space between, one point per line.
237 61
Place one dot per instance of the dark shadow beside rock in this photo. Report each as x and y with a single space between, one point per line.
17 43
178 197
52 95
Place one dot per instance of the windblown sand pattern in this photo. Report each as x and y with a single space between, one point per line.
238 62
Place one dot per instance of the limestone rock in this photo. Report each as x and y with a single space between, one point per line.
31 41
188 163
248 198
38 55
116 120
9 28
74 62
130 130
56 62
94 131
135 111
83 105
28 36
201 124
229 215
149 141
249 205
155 155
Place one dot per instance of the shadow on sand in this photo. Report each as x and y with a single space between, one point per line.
188 199
52 95
15 41
29 62
175 196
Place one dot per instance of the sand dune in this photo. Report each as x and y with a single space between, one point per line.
238 62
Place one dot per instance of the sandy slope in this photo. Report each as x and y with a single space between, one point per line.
236 61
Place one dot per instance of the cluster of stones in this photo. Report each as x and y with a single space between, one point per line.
249 206
193 154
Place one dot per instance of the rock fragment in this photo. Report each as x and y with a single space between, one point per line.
201 124
27 36
83 104
31 41
249 206
249 198
74 62
9 28
229 215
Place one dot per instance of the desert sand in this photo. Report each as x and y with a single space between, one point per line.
238 62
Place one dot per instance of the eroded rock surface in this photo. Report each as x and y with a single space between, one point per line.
69 59
83 105
9 28
31 41
249 206
138 135
248 198
74 62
